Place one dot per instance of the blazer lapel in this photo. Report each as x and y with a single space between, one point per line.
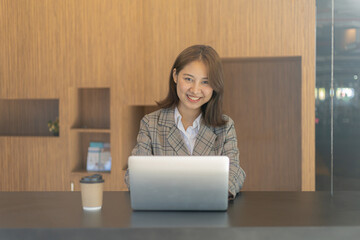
174 137
176 141
204 141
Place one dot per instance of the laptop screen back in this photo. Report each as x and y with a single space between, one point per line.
197 183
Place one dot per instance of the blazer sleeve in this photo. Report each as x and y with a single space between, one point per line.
236 173
143 146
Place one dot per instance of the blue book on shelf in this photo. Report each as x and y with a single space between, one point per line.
93 158
97 144
99 157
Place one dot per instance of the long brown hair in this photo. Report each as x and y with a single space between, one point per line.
212 110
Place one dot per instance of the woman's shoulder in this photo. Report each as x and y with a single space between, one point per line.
157 115
229 123
151 116
227 118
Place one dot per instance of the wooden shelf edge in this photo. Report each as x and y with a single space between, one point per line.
20 136
85 173
91 130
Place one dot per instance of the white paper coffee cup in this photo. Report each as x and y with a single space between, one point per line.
92 192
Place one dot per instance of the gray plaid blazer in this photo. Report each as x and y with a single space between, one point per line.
159 135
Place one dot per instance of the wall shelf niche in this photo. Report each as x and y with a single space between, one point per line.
79 148
90 108
27 117
89 122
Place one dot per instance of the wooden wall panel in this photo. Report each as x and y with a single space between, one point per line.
49 46
14 173
92 33
33 168
266 109
54 44
30 33
4 49
46 165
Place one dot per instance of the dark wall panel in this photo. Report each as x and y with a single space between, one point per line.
263 97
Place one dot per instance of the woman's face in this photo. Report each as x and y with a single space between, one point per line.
192 86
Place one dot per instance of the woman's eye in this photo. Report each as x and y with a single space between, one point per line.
205 82
188 79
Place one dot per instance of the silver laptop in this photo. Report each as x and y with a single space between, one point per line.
189 183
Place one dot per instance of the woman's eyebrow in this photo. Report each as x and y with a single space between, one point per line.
193 76
189 75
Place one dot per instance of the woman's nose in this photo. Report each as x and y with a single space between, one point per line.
195 88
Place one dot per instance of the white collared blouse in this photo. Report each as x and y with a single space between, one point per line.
189 135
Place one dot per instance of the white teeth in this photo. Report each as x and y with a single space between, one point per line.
193 98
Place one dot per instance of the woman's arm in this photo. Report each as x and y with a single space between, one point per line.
143 146
236 173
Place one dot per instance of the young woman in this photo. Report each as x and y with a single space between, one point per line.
190 121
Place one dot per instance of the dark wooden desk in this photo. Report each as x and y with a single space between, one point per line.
270 215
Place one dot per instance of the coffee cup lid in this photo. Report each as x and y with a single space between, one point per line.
96 178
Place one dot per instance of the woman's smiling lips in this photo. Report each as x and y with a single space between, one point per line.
193 99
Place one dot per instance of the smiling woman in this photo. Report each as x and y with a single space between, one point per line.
193 110
193 90
204 62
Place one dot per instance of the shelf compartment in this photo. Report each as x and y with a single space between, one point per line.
90 108
79 143
89 119
27 117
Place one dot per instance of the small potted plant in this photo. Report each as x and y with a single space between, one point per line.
54 127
